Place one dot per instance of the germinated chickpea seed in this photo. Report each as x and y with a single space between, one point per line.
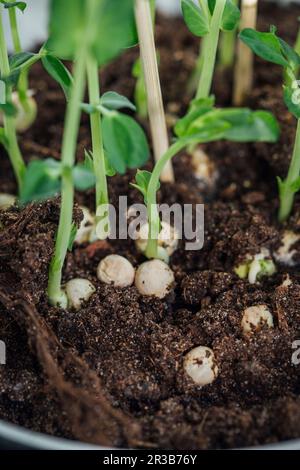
200 365
168 239
84 233
6 201
255 318
154 278
116 270
24 118
78 291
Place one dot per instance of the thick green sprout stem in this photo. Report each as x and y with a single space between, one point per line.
96 129
23 80
210 51
227 47
56 296
297 43
286 194
9 121
153 215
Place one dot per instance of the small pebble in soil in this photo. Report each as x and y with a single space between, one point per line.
204 168
200 365
6 201
154 278
84 233
255 318
78 291
24 118
116 270
167 240
285 254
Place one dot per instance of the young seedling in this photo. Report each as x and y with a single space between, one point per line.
140 94
273 49
243 77
8 135
22 98
90 26
204 123
151 76
206 21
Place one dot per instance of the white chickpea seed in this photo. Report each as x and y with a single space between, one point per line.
255 318
154 278
24 118
285 253
6 201
84 233
204 168
167 240
200 365
78 291
116 270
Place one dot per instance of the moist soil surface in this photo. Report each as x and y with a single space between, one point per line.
112 372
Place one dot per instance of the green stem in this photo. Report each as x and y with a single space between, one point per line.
297 44
153 216
9 121
210 51
287 195
96 129
23 80
72 121
227 47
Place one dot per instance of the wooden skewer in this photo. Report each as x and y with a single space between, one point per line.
243 77
154 96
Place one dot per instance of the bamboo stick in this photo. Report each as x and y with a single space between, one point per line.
154 96
243 77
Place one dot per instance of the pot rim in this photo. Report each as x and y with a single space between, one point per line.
24 437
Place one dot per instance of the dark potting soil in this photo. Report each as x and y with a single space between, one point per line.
112 373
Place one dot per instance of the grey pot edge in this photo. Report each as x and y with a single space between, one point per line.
18 437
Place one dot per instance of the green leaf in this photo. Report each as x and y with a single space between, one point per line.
20 5
250 126
67 22
20 59
195 19
115 29
124 141
83 176
42 180
58 72
198 108
265 45
142 180
8 109
112 31
291 95
73 234
112 100
231 15
290 54
239 125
